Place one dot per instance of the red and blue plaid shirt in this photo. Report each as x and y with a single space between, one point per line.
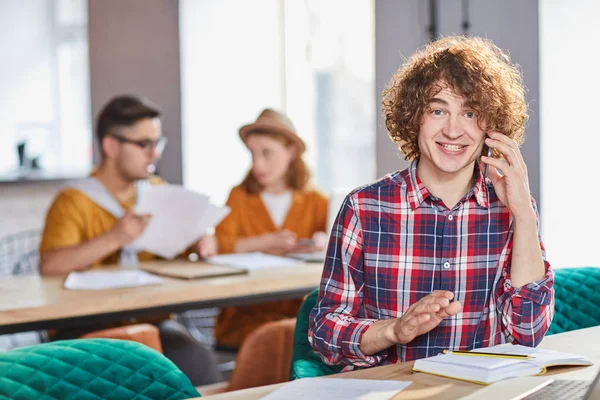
393 243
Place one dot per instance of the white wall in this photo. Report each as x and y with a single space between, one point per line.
570 131
23 206
134 49
230 70
26 74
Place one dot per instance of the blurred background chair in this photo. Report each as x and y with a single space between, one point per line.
201 325
305 362
19 253
19 256
141 333
576 299
264 358
91 368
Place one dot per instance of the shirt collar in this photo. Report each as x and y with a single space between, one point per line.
417 192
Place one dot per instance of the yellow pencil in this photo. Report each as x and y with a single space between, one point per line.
481 354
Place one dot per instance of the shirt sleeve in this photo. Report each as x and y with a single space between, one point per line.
338 321
64 225
525 313
227 232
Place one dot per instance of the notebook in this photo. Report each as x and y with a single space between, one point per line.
192 270
492 364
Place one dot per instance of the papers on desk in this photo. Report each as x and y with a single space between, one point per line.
338 389
99 280
250 261
179 218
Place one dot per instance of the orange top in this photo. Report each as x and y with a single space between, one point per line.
74 218
249 217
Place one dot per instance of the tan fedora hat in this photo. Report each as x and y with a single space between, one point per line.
272 121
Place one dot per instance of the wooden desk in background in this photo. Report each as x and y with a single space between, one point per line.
424 386
34 302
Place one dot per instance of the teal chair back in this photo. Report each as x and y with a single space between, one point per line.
576 299
305 362
91 369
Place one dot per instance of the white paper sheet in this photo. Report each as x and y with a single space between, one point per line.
99 280
179 218
255 260
338 389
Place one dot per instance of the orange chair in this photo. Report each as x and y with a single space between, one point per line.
265 356
142 333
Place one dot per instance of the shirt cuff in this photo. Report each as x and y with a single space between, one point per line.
539 292
350 340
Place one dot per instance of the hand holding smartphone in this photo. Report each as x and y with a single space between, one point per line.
306 242
487 166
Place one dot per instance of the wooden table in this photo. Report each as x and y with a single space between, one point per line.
34 302
424 386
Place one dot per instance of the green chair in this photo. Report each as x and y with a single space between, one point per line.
576 299
91 369
305 362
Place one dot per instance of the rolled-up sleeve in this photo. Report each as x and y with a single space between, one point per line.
526 312
338 320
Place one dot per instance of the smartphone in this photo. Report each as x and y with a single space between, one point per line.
306 242
487 166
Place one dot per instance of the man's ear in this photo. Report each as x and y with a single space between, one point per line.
109 147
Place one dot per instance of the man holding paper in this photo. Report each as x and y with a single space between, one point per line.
440 256
91 222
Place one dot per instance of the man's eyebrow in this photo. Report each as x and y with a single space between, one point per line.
463 106
438 101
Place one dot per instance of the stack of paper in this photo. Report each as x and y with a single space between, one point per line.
179 218
255 260
491 364
99 280
338 389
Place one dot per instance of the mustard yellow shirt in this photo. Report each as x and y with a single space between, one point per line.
249 217
74 218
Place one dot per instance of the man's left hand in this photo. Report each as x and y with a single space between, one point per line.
512 185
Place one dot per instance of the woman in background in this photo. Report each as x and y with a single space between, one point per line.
274 211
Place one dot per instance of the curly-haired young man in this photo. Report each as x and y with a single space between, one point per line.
440 256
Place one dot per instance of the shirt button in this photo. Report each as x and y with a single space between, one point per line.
450 217
446 265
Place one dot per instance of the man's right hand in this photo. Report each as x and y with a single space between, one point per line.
423 316
130 227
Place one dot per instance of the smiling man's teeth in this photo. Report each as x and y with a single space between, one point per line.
452 147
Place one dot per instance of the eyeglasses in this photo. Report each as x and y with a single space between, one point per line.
145 144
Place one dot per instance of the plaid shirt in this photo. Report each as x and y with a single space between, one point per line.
393 243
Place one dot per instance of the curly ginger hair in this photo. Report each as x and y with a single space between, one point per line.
474 68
